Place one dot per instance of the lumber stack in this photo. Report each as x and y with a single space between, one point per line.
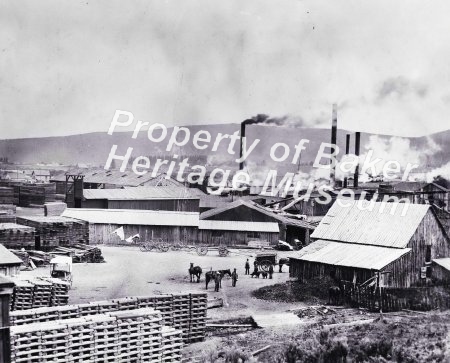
54 208
14 235
38 292
15 185
125 336
6 195
36 194
57 231
185 312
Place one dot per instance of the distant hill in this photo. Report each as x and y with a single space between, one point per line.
93 148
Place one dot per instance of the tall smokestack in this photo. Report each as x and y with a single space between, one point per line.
357 145
333 141
241 164
347 151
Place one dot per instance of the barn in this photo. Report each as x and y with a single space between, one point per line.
170 226
358 239
241 210
142 198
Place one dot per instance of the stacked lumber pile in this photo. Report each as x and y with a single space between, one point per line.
6 195
7 213
128 336
185 312
38 292
54 208
15 185
81 253
14 235
36 194
57 231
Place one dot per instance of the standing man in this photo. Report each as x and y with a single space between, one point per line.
270 271
234 277
217 279
247 267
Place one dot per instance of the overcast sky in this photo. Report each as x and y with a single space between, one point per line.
66 66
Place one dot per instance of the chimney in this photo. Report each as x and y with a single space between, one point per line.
347 151
333 141
357 145
241 164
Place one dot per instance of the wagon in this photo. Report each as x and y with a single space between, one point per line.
266 259
203 250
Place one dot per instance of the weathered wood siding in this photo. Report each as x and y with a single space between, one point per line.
232 238
180 205
102 233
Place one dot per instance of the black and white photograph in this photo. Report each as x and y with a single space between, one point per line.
203 181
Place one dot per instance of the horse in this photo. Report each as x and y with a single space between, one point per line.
211 275
195 272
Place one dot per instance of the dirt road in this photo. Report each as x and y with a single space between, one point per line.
130 272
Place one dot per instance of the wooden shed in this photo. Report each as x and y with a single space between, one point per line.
358 238
290 228
171 226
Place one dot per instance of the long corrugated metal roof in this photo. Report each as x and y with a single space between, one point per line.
134 217
116 177
444 262
350 255
383 225
140 193
239 226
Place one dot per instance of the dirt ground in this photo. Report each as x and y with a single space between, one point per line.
130 272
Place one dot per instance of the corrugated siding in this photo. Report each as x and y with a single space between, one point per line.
351 255
357 224
134 217
239 226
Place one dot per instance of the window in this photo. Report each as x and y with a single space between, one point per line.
253 235
428 253
217 234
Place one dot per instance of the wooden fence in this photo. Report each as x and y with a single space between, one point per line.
394 299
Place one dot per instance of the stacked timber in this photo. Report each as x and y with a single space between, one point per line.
36 194
57 231
185 312
6 195
127 336
81 253
172 344
7 213
15 185
38 292
54 208
14 235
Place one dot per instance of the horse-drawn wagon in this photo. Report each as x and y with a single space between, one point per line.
266 259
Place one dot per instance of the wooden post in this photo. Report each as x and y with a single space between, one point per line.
6 290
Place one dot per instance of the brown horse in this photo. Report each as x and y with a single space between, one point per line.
195 271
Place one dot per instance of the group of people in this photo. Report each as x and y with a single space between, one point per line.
256 269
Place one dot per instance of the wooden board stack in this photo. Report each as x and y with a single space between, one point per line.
185 311
122 336
54 208
57 231
38 292
36 194
17 236
6 195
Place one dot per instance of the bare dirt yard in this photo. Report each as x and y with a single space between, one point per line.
321 334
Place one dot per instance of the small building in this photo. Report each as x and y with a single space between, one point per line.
55 231
357 239
142 198
170 226
290 227
441 271
17 236
9 262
